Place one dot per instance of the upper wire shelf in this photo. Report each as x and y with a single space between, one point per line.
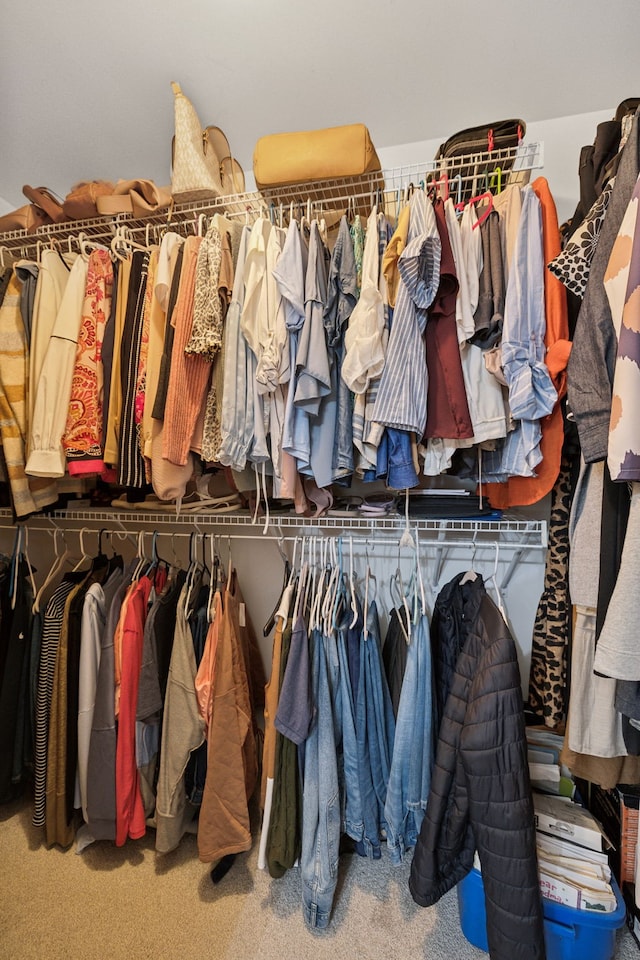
385 187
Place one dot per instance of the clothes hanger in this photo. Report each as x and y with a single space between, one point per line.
423 604
495 181
493 579
142 560
84 558
316 584
301 581
311 575
86 246
340 588
352 588
58 563
485 213
332 587
269 625
471 573
212 579
323 580
369 596
192 572
23 553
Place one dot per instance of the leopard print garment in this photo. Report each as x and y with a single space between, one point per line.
551 631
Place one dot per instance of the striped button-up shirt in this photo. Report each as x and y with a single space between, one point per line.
402 397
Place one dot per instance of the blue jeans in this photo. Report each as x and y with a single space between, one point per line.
401 472
413 748
352 820
321 794
342 462
375 727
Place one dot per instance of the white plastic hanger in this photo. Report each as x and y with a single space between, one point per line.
399 599
301 581
471 574
352 588
493 579
318 586
370 589
57 565
84 556
423 604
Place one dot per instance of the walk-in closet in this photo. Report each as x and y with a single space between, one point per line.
318 465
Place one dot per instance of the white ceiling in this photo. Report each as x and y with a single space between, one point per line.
86 87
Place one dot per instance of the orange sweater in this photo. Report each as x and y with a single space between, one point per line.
190 373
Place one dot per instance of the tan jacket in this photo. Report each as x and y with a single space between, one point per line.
232 760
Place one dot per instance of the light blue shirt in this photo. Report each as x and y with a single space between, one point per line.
532 395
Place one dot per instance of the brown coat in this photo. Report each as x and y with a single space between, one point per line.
232 760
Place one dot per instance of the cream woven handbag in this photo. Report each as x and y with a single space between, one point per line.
202 166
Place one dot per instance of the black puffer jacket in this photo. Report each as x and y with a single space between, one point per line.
480 795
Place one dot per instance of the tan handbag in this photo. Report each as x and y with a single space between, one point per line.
285 158
202 165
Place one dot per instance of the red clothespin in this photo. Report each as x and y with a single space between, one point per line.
490 139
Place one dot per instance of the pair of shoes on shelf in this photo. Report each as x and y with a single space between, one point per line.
28 218
142 198
93 198
79 204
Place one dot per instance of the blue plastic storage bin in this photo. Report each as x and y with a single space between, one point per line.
569 934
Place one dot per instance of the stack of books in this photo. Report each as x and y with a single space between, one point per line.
546 772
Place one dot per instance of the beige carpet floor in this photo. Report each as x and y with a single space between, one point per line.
110 903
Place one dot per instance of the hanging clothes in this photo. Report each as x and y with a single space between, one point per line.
447 408
94 615
237 398
341 300
14 677
480 795
131 472
320 795
551 629
28 494
412 760
82 437
526 490
190 372
232 764
532 395
182 733
592 360
53 276
46 455
284 836
402 397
